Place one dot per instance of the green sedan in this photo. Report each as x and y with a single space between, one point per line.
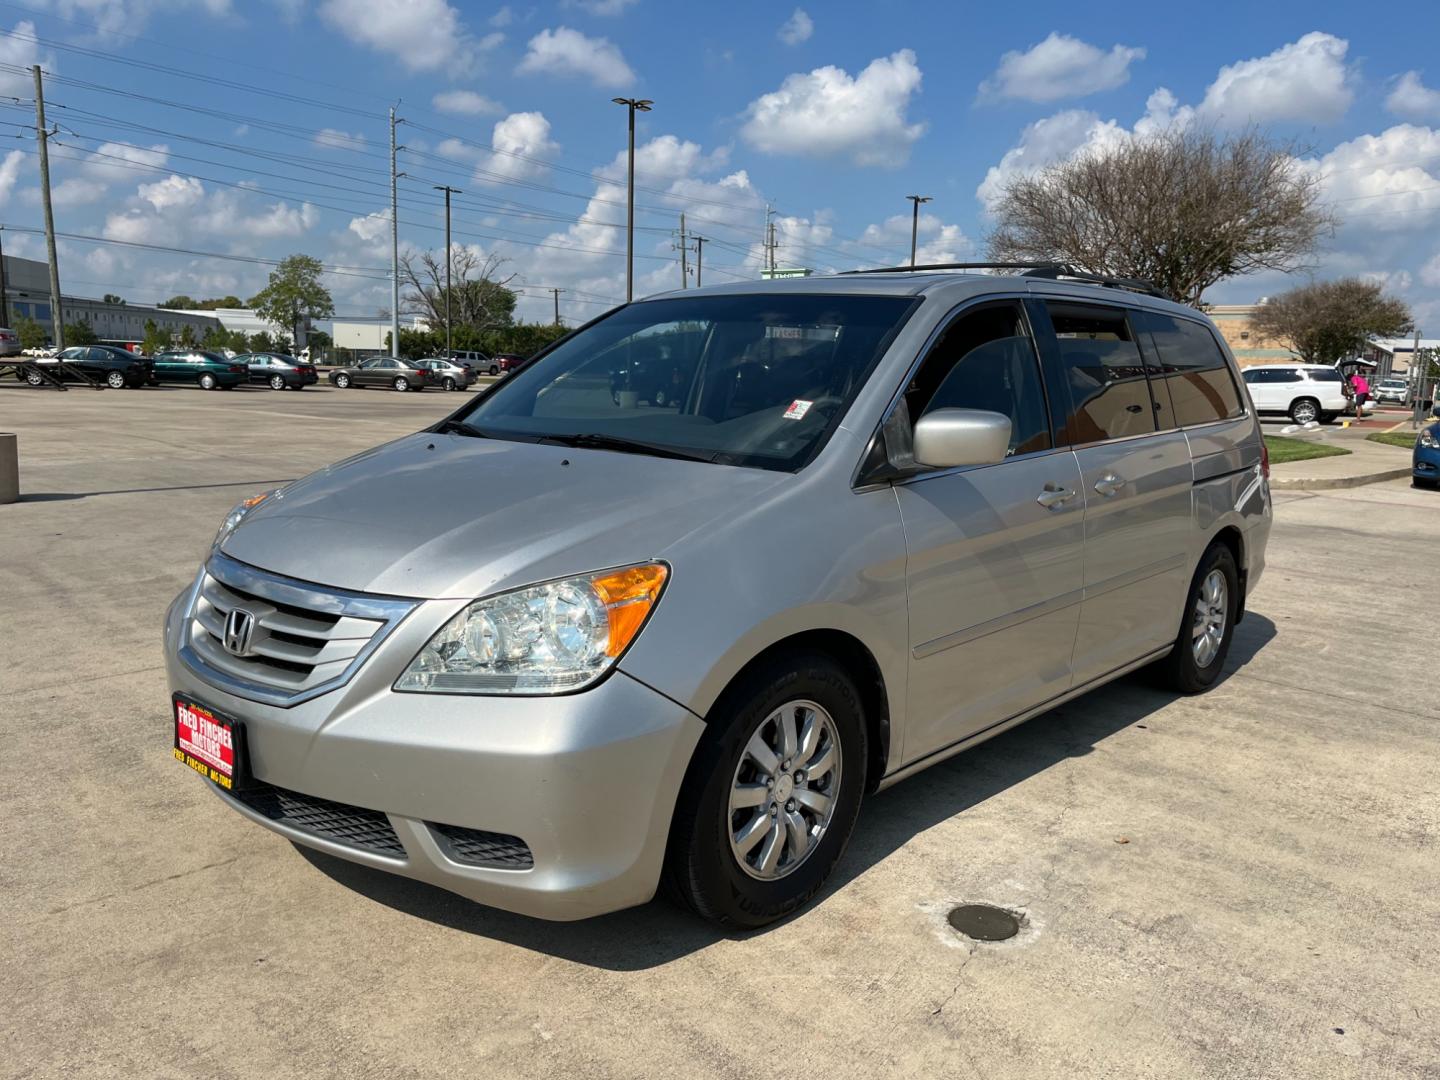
207 370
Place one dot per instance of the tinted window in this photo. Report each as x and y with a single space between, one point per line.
1323 375
1109 395
985 359
1195 371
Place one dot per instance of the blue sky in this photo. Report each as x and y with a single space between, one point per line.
829 113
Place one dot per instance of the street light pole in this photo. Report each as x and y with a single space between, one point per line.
642 105
449 354
915 221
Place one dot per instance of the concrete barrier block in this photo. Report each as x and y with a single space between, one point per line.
9 468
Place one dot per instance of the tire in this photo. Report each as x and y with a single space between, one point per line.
34 378
704 870
115 380
1189 669
1328 417
1423 484
1305 409
449 383
494 369
207 382
277 382
342 381
660 399
401 383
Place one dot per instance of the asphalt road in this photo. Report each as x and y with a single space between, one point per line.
1236 885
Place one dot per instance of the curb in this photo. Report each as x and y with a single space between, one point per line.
1303 483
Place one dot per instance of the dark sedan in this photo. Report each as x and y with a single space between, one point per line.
383 371
113 366
278 371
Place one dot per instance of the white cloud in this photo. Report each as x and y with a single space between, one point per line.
17 50
565 52
371 227
181 209
502 18
1430 272
464 103
173 191
334 139
77 191
116 162
1386 183
828 113
1412 99
1045 141
424 35
603 8
520 136
938 242
1306 80
1059 67
797 28
9 173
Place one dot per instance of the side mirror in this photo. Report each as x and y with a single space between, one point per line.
947 438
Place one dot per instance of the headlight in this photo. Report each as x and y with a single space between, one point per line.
237 515
543 639
1427 439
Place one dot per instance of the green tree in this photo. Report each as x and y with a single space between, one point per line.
260 341
80 333
156 340
215 338
187 336
30 332
237 340
318 339
111 298
1327 321
294 295
178 302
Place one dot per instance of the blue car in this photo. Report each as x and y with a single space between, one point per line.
1425 461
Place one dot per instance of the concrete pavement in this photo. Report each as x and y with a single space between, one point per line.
1271 911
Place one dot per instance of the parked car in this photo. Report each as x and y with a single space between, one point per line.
1304 392
475 361
554 652
447 374
1425 458
1394 391
383 371
278 371
9 342
207 370
113 366
504 363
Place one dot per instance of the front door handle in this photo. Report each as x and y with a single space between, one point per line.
1109 484
1053 495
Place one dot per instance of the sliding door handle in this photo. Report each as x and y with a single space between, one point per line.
1053 495
1109 484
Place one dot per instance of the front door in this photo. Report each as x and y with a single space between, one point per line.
1136 482
995 568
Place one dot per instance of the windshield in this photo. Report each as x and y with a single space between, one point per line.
757 379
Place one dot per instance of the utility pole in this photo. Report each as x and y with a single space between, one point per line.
395 247
1419 376
448 261
915 221
557 304
4 292
634 105
699 259
57 317
684 255
769 259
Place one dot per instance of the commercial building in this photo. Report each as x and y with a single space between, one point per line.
27 294
1395 356
369 337
1249 346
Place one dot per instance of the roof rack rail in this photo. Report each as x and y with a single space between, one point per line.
1051 271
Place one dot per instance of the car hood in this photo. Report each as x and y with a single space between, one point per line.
455 516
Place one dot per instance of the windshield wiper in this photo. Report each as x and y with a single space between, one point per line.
596 441
451 426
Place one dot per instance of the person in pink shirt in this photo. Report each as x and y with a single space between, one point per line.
1361 386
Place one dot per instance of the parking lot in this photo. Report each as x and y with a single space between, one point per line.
1241 884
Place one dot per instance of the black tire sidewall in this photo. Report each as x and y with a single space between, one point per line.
1190 676
707 874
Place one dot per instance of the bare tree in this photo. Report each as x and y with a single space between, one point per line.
1328 321
1182 208
479 295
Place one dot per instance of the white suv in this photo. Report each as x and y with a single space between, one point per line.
1304 392
1395 391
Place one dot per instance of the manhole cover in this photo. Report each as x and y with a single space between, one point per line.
983 922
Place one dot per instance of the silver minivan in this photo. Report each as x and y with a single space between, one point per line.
569 646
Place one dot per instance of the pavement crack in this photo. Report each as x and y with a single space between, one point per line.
970 948
143 885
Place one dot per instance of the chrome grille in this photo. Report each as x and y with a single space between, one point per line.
302 639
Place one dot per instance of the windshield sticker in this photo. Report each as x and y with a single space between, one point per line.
798 409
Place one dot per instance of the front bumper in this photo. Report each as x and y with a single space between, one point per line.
588 781
1425 463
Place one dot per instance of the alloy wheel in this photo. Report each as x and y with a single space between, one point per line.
115 380
1211 616
783 793
277 383
1303 412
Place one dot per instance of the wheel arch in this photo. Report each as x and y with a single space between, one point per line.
1231 536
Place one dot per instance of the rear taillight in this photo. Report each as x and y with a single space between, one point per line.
1264 460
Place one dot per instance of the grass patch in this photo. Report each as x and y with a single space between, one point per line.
1403 439
1283 449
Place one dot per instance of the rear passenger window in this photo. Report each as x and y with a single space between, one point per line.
1104 374
1201 387
985 359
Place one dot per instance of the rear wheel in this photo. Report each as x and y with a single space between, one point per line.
115 380
277 382
401 383
1303 410
449 383
1208 625
494 369
772 794
207 382
342 380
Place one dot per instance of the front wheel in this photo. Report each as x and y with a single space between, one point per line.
1303 410
277 382
1207 626
342 381
115 380
1421 482
401 383
494 369
772 795
449 383
207 382
33 377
